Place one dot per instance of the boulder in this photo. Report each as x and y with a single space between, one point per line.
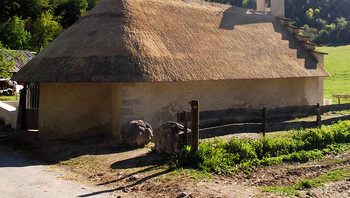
169 138
136 133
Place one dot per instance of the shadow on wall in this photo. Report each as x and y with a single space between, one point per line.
232 17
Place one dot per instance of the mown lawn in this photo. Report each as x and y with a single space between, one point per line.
337 62
9 98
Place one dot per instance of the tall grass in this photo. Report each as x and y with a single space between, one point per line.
221 156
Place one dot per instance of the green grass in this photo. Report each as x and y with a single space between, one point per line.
8 98
337 62
191 173
331 176
228 157
288 190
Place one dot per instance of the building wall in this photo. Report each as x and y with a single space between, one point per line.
69 110
314 90
159 102
81 109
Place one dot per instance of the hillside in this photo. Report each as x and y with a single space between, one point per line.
338 64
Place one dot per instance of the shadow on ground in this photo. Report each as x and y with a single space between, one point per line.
48 152
149 159
137 182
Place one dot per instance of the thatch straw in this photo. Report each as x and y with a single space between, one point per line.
171 40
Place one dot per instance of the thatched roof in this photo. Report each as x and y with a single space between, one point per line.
171 40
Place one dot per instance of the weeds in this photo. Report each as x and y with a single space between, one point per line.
288 190
332 176
221 156
196 175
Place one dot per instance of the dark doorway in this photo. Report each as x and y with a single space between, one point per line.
29 106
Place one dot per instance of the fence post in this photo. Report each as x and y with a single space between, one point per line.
263 130
184 117
318 114
194 125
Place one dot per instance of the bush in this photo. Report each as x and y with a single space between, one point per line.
221 156
241 150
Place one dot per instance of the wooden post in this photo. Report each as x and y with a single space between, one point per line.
338 100
184 117
318 114
194 125
264 112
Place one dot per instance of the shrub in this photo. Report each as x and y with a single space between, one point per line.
241 150
227 156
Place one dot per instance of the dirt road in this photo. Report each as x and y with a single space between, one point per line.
20 178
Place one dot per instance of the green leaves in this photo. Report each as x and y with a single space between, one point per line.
14 35
45 29
222 156
328 21
7 61
33 24
71 11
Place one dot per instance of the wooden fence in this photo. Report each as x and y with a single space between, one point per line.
242 120
340 96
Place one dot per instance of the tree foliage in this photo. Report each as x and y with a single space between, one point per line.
32 24
44 29
325 21
7 61
14 35
71 11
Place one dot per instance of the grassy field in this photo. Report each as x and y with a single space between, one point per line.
9 98
338 64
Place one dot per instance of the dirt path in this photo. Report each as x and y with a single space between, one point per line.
19 178
136 172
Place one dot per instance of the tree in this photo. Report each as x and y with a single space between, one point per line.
8 9
322 38
71 11
310 14
44 29
320 24
14 35
31 8
7 61
306 30
92 3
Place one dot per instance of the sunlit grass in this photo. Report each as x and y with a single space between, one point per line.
9 98
337 62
